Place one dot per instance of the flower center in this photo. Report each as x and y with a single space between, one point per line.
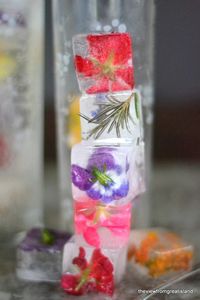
107 68
101 213
47 237
101 176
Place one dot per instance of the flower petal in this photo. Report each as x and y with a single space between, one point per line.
81 177
91 236
124 79
101 46
101 159
85 66
122 191
101 86
69 283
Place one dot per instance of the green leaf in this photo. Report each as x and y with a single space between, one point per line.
137 109
47 237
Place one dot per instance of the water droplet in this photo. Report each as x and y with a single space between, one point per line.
149 118
122 28
115 22
107 28
98 27
66 59
59 56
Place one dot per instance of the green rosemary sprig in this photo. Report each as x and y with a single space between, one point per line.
137 109
114 114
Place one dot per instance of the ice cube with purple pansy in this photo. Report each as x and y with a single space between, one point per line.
104 173
39 255
111 118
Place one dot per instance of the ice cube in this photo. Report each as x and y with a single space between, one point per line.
111 118
158 253
103 62
103 226
104 173
39 255
117 257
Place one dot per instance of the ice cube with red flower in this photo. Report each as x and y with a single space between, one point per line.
89 269
104 62
100 225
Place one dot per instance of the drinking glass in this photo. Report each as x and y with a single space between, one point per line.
21 115
71 17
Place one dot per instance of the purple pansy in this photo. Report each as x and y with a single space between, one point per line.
100 158
33 241
104 178
81 178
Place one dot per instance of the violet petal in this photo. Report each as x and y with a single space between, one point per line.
81 177
118 169
107 199
33 241
101 159
94 194
122 191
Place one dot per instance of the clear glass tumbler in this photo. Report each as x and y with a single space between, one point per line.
71 17
21 118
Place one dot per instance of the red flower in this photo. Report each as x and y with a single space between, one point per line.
90 234
102 271
109 63
69 283
80 261
101 265
97 275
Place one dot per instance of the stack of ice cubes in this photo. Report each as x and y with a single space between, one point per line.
107 167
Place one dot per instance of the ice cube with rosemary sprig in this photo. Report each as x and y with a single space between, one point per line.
112 117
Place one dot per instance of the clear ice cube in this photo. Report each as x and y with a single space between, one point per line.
111 118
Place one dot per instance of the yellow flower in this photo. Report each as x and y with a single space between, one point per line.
73 126
7 65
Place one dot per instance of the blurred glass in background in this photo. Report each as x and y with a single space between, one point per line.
21 115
